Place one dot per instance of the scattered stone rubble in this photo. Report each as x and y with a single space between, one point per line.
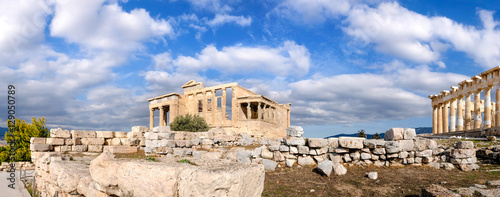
435 190
489 155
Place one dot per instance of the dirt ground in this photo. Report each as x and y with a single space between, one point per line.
392 181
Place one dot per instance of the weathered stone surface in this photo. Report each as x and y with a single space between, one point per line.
303 149
40 147
162 136
406 145
93 141
351 142
266 154
464 145
59 133
284 148
38 140
120 149
65 149
211 156
269 165
161 129
317 142
355 156
67 175
447 166
294 131
372 143
82 134
333 142
55 141
462 153
116 142
436 191
120 134
294 150
409 134
130 141
290 162
105 134
365 156
95 148
79 148
434 165
295 141
305 161
278 156
394 134
392 147
339 169
325 167
135 134
373 175
379 151
425 153
140 129
341 150
243 156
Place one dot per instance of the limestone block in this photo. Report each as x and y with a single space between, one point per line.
59 133
394 134
56 148
447 166
161 129
351 142
82 134
105 134
116 142
133 134
406 145
284 148
207 142
257 152
392 147
403 154
325 167
65 148
130 141
290 162
437 190
366 156
140 129
320 151
333 142
339 169
165 143
431 144
341 150
295 141
40 147
79 148
164 150
274 148
409 134
180 152
212 156
266 154
269 165
66 174
372 143
373 175
120 134
462 153
303 149
375 157
425 153
355 156
294 131
464 145
420 145
95 148
294 150
93 141
38 140
317 142
312 152
120 149
335 157
305 161
161 136
243 156
320 158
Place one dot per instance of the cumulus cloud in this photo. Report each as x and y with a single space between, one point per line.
221 19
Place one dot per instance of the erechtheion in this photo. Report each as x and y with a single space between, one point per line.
455 110
242 112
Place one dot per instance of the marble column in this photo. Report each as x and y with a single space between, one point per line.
445 117
214 108
440 118
151 118
223 105
487 107
497 107
477 110
249 113
162 116
205 106
460 117
468 112
259 111
434 120
453 115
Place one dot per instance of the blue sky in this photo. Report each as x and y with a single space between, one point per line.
344 65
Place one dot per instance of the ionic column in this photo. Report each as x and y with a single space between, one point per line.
460 118
487 107
440 118
162 116
249 114
477 109
205 105
467 112
453 116
214 107
497 107
434 119
445 117
151 118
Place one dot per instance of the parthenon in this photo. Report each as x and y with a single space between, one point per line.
243 112
454 110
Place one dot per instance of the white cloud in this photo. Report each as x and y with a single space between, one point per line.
221 19
290 58
215 6
100 26
312 11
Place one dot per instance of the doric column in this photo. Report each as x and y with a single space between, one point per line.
497 107
487 107
460 117
151 118
249 113
162 116
174 112
453 115
434 120
467 112
477 109
445 117
440 118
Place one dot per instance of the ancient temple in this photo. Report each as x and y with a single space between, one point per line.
227 106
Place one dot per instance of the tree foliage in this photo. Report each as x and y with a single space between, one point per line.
18 139
361 133
192 123
376 136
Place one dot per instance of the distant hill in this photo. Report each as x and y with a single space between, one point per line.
418 130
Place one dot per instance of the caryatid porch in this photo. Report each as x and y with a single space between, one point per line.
461 108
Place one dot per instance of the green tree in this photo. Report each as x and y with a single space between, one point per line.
361 133
18 139
376 136
193 123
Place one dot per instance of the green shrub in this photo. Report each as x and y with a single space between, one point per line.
361 133
21 132
192 123
376 136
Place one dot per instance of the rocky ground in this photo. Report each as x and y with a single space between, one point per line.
391 181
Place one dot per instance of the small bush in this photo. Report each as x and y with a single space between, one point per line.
192 123
185 161
361 133
376 136
149 158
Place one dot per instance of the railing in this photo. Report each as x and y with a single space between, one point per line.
29 177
